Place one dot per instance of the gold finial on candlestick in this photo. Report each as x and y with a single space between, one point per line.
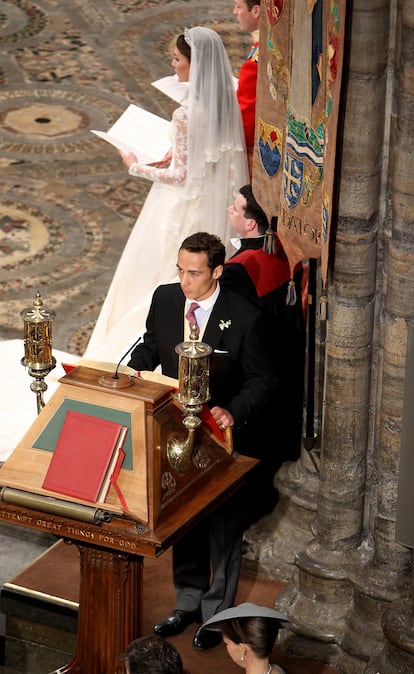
193 393
38 346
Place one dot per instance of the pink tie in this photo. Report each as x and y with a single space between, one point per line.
191 317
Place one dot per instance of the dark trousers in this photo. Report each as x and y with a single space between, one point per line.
206 563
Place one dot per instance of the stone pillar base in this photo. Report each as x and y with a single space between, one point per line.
320 602
397 656
310 649
275 541
364 636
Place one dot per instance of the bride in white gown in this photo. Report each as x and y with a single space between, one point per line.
208 166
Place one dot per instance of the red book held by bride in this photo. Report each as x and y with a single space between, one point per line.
83 454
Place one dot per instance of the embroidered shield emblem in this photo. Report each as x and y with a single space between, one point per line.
270 147
292 180
273 10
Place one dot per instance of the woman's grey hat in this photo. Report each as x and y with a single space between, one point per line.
246 610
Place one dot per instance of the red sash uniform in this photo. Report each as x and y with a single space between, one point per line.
246 94
266 271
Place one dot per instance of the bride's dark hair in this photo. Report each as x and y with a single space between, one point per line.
183 47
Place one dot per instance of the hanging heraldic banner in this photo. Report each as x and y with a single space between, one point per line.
298 95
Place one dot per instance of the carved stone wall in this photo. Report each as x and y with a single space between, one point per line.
350 591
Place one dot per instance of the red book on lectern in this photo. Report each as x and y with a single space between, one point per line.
86 449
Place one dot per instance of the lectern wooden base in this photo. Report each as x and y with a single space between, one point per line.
110 610
111 566
163 503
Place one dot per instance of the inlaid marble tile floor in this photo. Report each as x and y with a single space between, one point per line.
67 204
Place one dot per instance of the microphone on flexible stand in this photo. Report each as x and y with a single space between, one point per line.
138 341
119 379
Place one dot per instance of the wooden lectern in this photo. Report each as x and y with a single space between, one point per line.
162 503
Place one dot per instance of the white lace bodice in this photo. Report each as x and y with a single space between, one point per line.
176 173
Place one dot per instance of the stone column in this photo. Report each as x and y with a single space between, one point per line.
322 597
391 561
274 542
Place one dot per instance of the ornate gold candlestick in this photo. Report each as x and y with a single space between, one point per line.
38 346
193 374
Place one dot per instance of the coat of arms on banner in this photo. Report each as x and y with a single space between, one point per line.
298 95
273 10
269 141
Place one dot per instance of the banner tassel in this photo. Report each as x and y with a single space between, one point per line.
291 294
269 244
323 308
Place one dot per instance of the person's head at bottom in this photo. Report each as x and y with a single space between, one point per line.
152 655
249 633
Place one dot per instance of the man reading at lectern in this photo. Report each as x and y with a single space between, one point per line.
243 383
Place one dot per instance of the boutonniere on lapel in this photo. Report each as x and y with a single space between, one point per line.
223 325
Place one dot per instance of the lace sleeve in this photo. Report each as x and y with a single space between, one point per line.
176 173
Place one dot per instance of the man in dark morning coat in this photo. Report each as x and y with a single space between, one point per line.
242 382
263 278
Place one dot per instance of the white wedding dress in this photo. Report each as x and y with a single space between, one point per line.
170 213
175 208
150 255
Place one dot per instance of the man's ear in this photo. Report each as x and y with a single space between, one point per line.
217 272
255 10
250 225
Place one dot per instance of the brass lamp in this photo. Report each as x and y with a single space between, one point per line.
38 346
193 393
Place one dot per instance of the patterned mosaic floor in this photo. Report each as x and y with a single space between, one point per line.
67 204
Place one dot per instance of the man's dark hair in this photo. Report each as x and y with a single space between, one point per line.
202 242
251 3
253 210
153 655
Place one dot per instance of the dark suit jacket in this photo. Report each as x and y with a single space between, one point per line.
243 378
287 327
